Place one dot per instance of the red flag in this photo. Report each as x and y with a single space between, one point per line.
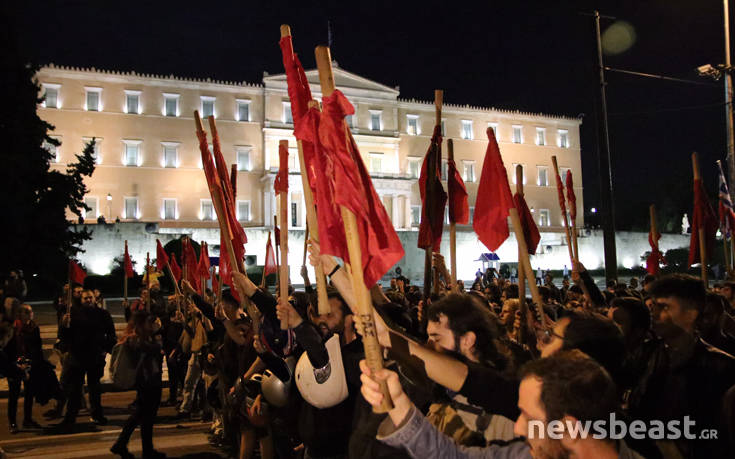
203 265
562 201
494 200
702 217
433 196
189 258
76 273
280 185
459 208
233 180
128 264
571 197
350 186
161 257
175 269
530 230
277 233
655 258
270 259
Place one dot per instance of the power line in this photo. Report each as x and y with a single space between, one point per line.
670 109
661 77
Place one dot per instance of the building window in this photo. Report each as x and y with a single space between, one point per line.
51 95
412 125
52 149
294 214
170 104
243 110
376 163
467 129
540 136
469 171
563 138
445 169
446 215
243 158
243 211
414 167
97 152
294 165
131 153
415 215
287 115
523 173
206 211
444 127
494 127
92 213
517 134
543 175
563 173
170 154
93 100
132 102
208 107
376 120
472 216
169 209
544 217
131 208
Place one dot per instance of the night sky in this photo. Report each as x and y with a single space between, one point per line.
532 56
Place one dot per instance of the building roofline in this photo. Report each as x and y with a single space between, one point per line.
430 104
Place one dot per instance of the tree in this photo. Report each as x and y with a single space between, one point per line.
38 236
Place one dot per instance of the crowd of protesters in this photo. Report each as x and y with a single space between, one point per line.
467 370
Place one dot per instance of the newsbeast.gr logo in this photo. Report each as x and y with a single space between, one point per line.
616 429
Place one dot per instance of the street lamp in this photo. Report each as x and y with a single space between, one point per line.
109 203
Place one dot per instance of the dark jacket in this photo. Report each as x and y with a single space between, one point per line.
90 335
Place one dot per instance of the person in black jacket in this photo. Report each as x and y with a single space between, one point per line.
147 352
89 333
25 347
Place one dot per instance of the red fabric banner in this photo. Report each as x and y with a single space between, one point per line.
280 185
270 259
76 273
571 197
560 192
433 196
128 264
494 199
175 269
277 233
189 258
161 257
530 230
459 207
203 265
704 217
655 258
345 171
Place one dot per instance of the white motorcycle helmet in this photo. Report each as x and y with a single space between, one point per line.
323 387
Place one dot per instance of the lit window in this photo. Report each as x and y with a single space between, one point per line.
415 215
544 217
243 110
540 136
376 120
444 127
170 154
494 127
96 153
92 213
543 176
467 129
208 106
132 102
294 165
170 104
469 171
53 149
294 214
445 169
472 215
414 167
169 209
446 215
131 153
523 173
517 134
131 208
93 100
243 211
243 158
51 95
376 163
206 211
412 126
563 138
287 115
563 173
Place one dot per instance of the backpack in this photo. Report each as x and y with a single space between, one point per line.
123 366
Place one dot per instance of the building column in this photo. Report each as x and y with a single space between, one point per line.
407 211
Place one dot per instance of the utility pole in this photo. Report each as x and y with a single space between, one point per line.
728 97
603 154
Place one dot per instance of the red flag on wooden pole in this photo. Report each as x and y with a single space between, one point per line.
530 230
190 260
203 265
703 217
433 196
174 266
161 257
76 273
655 258
494 200
270 266
128 263
459 208
571 197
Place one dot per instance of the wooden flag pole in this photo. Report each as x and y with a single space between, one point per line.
202 279
125 277
306 243
431 168
275 249
311 217
526 262
452 225
373 351
283 271
564 217
654 228
262 278
148 281
700 228
184 260
523 307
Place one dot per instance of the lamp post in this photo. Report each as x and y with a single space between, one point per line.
109 204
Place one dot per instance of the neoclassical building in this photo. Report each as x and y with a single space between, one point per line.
149 168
